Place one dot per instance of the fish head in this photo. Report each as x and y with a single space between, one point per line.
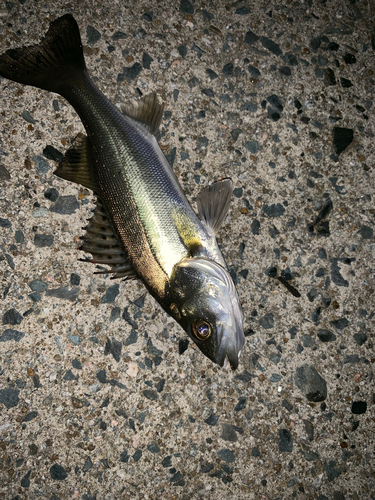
205 303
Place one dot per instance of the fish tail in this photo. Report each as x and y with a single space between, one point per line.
52 64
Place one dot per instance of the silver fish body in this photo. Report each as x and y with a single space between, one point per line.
143 226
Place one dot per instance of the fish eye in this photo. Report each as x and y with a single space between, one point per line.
201 329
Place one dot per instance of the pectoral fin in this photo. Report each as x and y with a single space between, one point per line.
74 166
213 203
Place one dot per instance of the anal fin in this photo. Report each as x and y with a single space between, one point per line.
101 241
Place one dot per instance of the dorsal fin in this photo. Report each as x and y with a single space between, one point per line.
213 203
101 241
149 112
74 166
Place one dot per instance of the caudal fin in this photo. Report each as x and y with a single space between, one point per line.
51 64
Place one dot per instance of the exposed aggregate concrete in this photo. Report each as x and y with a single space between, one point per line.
101 394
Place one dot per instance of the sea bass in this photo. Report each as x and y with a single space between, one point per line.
143 225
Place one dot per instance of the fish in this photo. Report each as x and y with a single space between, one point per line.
143 227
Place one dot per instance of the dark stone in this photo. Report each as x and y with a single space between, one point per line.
58 472
271 46
151 394
153 447
88 464
5 223
30 416
119 35
271 272
340 324
311 383
366 232
329 77
360 338
77 364
342 137
251 37
241 404
274 210
35 297
255 226
148 16
137 455
285 441
10 334
345 83
335 274
132 339
65 205
18 236
207 16
115 314
4 174
183 344
349 58
315 43
307 340
102 377
110 294
252 146
242 11
182 50
285 70
326 336
167 461
12 317
359 407
211 74
43 240
332 472
186 7
272 114
93 35
124 457
69 375
211 93
309 428
228 433
25 482
146 61
113 347
253 71
63 292
42 166
228 70
275 102
38 286
226 455
132 72
212 419
267 322
53 154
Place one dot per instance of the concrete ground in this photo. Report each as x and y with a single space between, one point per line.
100 395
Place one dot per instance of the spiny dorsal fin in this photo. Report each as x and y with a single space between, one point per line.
149 112
74 166
101 241
213 203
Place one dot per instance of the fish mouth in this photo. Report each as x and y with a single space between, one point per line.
231 343
229 354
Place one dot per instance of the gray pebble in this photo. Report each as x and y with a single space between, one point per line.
311 383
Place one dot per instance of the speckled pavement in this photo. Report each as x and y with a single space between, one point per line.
101 395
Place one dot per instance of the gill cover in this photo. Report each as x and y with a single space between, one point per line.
206 305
